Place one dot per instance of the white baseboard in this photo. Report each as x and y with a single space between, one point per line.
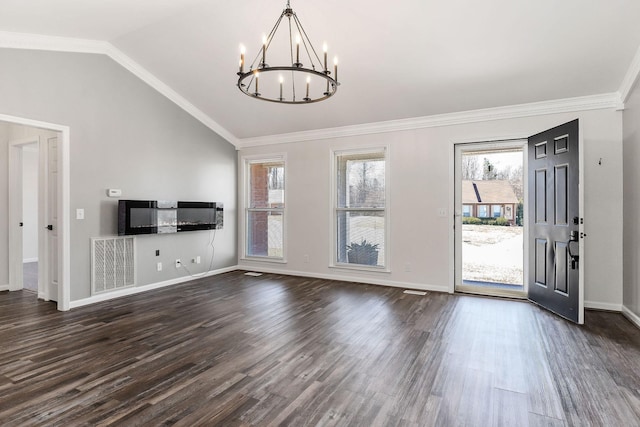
594 305
138 289
27 260
365 280
4 288
633 318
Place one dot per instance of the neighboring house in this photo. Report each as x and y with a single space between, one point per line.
489 199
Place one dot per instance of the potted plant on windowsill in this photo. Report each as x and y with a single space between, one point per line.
362 253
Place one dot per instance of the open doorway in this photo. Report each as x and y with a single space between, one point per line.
490 198
38 206
30 209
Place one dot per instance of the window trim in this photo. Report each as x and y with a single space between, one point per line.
334 209
247 161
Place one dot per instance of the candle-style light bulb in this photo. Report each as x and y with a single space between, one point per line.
308 83
335 69
264 50
242 52
281 83
298 39
324 48
257 76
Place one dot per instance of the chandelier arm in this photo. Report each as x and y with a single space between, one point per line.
269 39
305 40
274 29
301 28
293 78
290 42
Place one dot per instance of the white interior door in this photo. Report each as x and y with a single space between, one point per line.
53 207
49 250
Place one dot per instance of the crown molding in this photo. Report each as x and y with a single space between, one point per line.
52 43
630 79
584 103
65 44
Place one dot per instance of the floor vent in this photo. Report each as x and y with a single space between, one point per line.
112 264
410 292
252 273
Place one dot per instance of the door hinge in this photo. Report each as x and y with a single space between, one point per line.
21 224
49 227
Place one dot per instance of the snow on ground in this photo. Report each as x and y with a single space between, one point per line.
492 253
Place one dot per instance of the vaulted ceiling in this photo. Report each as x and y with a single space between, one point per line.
404 59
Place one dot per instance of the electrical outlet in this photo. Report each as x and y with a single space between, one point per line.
178 263
442 212
306 259
159 266
407 267
198 259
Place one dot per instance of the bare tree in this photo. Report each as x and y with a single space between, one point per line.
514 176
470 167
516 180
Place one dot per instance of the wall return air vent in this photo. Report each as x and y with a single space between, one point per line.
112 264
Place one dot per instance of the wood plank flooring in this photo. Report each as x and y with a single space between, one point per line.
234 350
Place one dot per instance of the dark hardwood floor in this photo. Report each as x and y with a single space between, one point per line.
235 350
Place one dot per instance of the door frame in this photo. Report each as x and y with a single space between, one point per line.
63 187
503 144
452 204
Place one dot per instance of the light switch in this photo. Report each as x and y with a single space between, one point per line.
79 213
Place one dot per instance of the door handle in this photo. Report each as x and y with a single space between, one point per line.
49 227
573 238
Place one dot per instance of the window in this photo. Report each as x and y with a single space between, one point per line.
497 211
466 210
265 209
360 212
483 211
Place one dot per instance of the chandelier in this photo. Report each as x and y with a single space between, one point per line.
302 78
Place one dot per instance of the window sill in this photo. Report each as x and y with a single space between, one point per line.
360 267
264 259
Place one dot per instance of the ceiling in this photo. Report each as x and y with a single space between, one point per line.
405 59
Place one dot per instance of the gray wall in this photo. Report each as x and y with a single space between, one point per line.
124 135
631 126
419 169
